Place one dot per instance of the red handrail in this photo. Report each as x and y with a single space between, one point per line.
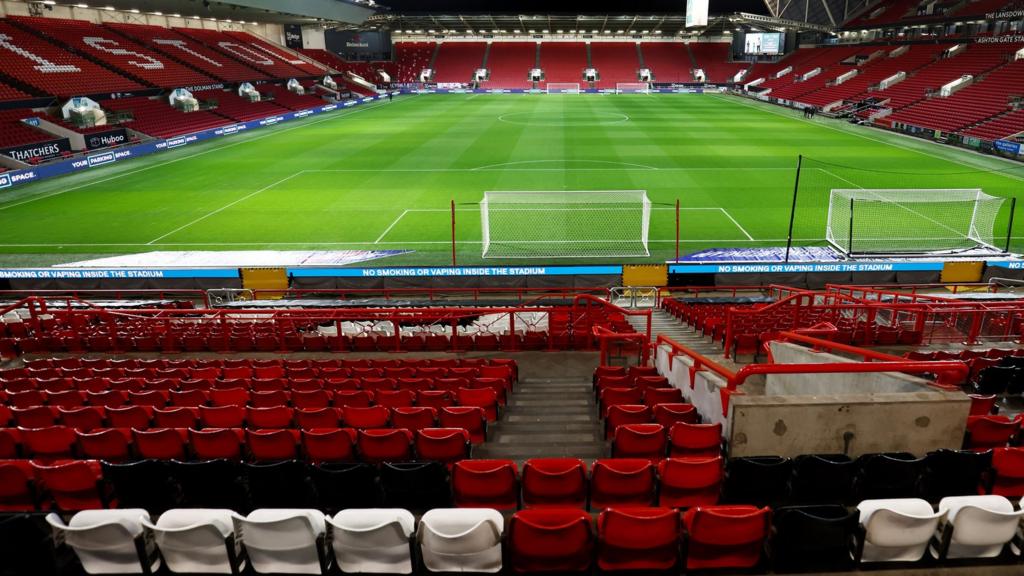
605 337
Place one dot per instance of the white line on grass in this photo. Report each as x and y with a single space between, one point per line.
866 137
520 162
742 229
626 169
388 229
232 145
225 207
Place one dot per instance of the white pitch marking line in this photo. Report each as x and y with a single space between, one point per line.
742 229
388 229
520 162
225 207
233 144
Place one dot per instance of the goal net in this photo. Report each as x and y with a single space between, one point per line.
632 88
563 88
912 221
566 224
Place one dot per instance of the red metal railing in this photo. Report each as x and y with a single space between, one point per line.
948 374
608 339
522 295
193 295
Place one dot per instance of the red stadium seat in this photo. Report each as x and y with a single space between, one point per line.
74 485
318 418
725 536
689 481
329 444
481 397
160 443
414 418
270 417
555 483
18 492
353 398
269 399
363 418
395 398
311 399
669 414
636 539
655 396
378 445
271 445
613 396
182 417
110 444
621 414
704 440
49 443
229 397
639 441
552 540
85 418
486 484
471 418
214 443
34 417
621 482
228 416
446 445
1007 472
984 432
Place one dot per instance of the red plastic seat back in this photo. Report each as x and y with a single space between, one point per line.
638 539
329 445
486 484
554 482
215 443
726 536
446 445
551 540
364 418
471 418
414 418
639 441
160 443
271 445
621 482
378 445
695 439
73 485
1008 464
689 481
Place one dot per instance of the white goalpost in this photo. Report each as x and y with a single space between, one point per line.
565 224
632 88
563 88
913 221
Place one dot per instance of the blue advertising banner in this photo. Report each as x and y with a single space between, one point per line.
796 268
44 150
106 138
1007 146
99 159
101 273
1007 264
442 271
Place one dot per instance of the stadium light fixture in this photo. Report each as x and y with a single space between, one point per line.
533 31
81 5
134 10
158 13
50 2
110 8
516 31
543 31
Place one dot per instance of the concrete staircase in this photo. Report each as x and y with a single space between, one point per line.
547 417
664 323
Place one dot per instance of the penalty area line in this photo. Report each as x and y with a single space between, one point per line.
388 229
742 229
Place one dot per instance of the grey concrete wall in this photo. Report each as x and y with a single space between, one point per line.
851 424
802 384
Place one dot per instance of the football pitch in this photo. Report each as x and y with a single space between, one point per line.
382 177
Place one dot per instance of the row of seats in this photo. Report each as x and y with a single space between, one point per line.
557 540
89 418
258 445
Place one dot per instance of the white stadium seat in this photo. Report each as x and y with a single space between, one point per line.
976 526
374 540
198 540
896 530
285 540
108 541
461 539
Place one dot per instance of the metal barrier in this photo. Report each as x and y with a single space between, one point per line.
634 296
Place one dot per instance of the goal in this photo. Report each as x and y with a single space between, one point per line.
632 88
565 224
912 221
563 88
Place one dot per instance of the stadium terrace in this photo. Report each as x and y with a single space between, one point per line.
392 287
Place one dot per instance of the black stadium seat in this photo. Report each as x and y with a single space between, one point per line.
211 484
892 475
813 538
758 480
142 484
415 485
280 485
953 473
345 485
822 479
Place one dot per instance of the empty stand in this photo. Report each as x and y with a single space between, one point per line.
458 61
714 58
60 73
156 118
563 61
246 50
189 51
14 132
234 107
510 63
615 62
114 50
668 61
412 58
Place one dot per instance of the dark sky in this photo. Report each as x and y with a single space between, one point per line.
564 6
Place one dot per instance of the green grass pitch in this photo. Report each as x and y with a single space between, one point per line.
381 176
